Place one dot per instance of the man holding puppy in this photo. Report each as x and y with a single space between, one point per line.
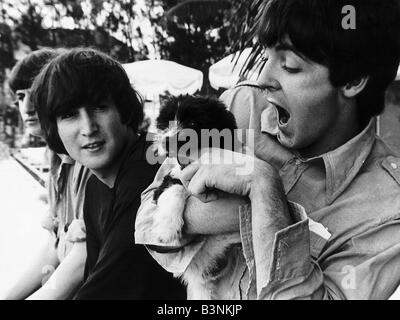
323 223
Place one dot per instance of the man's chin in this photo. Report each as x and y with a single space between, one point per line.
285 141
33 131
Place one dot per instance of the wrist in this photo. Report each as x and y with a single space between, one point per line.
268 199
265 179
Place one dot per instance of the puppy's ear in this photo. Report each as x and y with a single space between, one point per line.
167 113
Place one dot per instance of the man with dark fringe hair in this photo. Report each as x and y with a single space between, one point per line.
65 217
89 111
324 219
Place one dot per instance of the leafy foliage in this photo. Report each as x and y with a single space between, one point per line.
244 31
194 32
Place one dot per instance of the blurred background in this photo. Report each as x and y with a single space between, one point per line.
167 47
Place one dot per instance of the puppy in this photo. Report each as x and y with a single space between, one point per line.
176 116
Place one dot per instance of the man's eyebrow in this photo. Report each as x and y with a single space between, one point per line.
284 46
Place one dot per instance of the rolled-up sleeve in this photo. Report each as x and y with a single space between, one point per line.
366 266
178 253
290 252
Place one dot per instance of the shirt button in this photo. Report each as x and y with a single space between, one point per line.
394 165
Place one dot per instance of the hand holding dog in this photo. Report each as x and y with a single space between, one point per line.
230 172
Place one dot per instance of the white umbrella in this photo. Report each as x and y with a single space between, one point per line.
154 77
225 74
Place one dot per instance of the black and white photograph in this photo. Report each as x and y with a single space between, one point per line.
199 150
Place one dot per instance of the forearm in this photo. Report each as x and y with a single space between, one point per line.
32 277
286 249
269 214
67 277
214 217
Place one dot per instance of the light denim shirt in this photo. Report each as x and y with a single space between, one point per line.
66 194
345 244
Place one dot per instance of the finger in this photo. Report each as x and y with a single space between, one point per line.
184 161
203 182
188 173
208 195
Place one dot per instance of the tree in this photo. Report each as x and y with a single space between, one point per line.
66 23
192 32
243 31
6 60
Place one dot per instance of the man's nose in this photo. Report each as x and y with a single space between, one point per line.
26 106
268 78
88 123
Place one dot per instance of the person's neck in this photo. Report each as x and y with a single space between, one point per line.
337 136
109 174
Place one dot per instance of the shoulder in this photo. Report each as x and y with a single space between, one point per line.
378 182
246 101
242 92
385 162
137 172
391 164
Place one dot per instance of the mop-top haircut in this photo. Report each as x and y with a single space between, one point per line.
316 31
82 77
25 70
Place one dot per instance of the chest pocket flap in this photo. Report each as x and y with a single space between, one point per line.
392 165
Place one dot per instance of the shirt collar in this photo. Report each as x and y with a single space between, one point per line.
65 158
59 176
343 163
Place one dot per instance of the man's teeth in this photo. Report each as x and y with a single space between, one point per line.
93 145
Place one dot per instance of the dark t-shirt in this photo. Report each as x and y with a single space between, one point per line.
117 268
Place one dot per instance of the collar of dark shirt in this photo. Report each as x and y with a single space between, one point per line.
343 163
133 152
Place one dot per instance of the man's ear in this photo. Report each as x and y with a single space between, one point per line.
353 88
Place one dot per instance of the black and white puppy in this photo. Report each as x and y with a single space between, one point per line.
176 116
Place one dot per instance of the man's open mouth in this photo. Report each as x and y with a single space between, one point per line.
283 115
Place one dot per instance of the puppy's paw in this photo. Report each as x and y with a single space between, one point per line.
168 220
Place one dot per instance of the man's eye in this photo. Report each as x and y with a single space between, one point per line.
68 115
290 70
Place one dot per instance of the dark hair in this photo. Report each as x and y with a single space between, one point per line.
25 70
315 29
196 112
82 76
